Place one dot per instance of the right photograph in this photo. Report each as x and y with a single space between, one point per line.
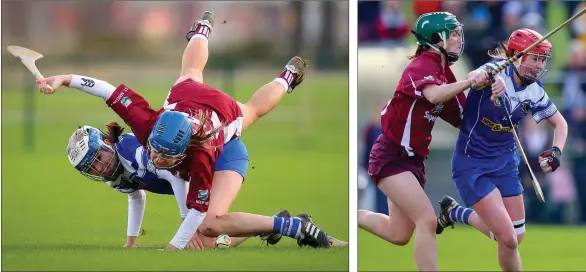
472 135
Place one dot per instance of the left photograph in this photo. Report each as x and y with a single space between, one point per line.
224 115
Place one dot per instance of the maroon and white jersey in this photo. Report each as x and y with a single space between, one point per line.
408 118
189 97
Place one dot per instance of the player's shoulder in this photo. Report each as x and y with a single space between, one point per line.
418 70
127 145
423 63
127 137
536 91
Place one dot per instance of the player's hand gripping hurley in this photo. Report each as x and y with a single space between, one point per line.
28 58
510 61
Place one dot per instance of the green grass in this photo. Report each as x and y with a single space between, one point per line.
55 219
544 248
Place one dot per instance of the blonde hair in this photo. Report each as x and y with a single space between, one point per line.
499 52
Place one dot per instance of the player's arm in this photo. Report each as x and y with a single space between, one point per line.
136 207
130 106
201 176
86 84
560 130
544 109
442 93
550 159
453 110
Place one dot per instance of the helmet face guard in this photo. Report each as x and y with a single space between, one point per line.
91 156
533 67
160 155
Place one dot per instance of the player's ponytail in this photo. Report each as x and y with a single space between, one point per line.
498 52
202 135
113 132
420 49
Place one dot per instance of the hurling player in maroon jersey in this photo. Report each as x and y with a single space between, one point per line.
426 90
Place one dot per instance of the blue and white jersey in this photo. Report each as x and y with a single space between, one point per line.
139 173
485 130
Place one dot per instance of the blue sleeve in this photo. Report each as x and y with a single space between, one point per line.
543 108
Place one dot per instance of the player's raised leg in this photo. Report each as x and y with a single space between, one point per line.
494 214
268 96
406 193
195 56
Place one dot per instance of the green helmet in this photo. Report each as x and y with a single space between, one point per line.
434 27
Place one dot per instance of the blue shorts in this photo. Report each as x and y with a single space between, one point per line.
477 177
234 157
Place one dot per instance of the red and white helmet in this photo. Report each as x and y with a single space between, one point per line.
532 65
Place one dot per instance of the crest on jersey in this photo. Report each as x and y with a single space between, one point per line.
126 101
430 78
497 102
203 194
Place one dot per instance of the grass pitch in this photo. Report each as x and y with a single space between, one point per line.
55 219
544 248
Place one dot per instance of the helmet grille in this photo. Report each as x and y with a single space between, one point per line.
161 129
179 136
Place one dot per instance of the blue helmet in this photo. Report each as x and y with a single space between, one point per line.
83 149
171 134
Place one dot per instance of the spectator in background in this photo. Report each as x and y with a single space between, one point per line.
391 24
518 14
578 26
534 139
422 7
478 36
367 13
574 99
371 132
561 195
457 8
534 21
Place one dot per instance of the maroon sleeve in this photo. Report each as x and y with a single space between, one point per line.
134 110
200 182
418 74
453 110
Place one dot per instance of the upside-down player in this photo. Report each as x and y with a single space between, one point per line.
485 162
187 135
427 90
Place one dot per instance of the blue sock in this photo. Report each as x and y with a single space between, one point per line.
460 214
290 227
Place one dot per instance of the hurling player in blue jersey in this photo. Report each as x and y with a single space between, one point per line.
485 162
121 162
